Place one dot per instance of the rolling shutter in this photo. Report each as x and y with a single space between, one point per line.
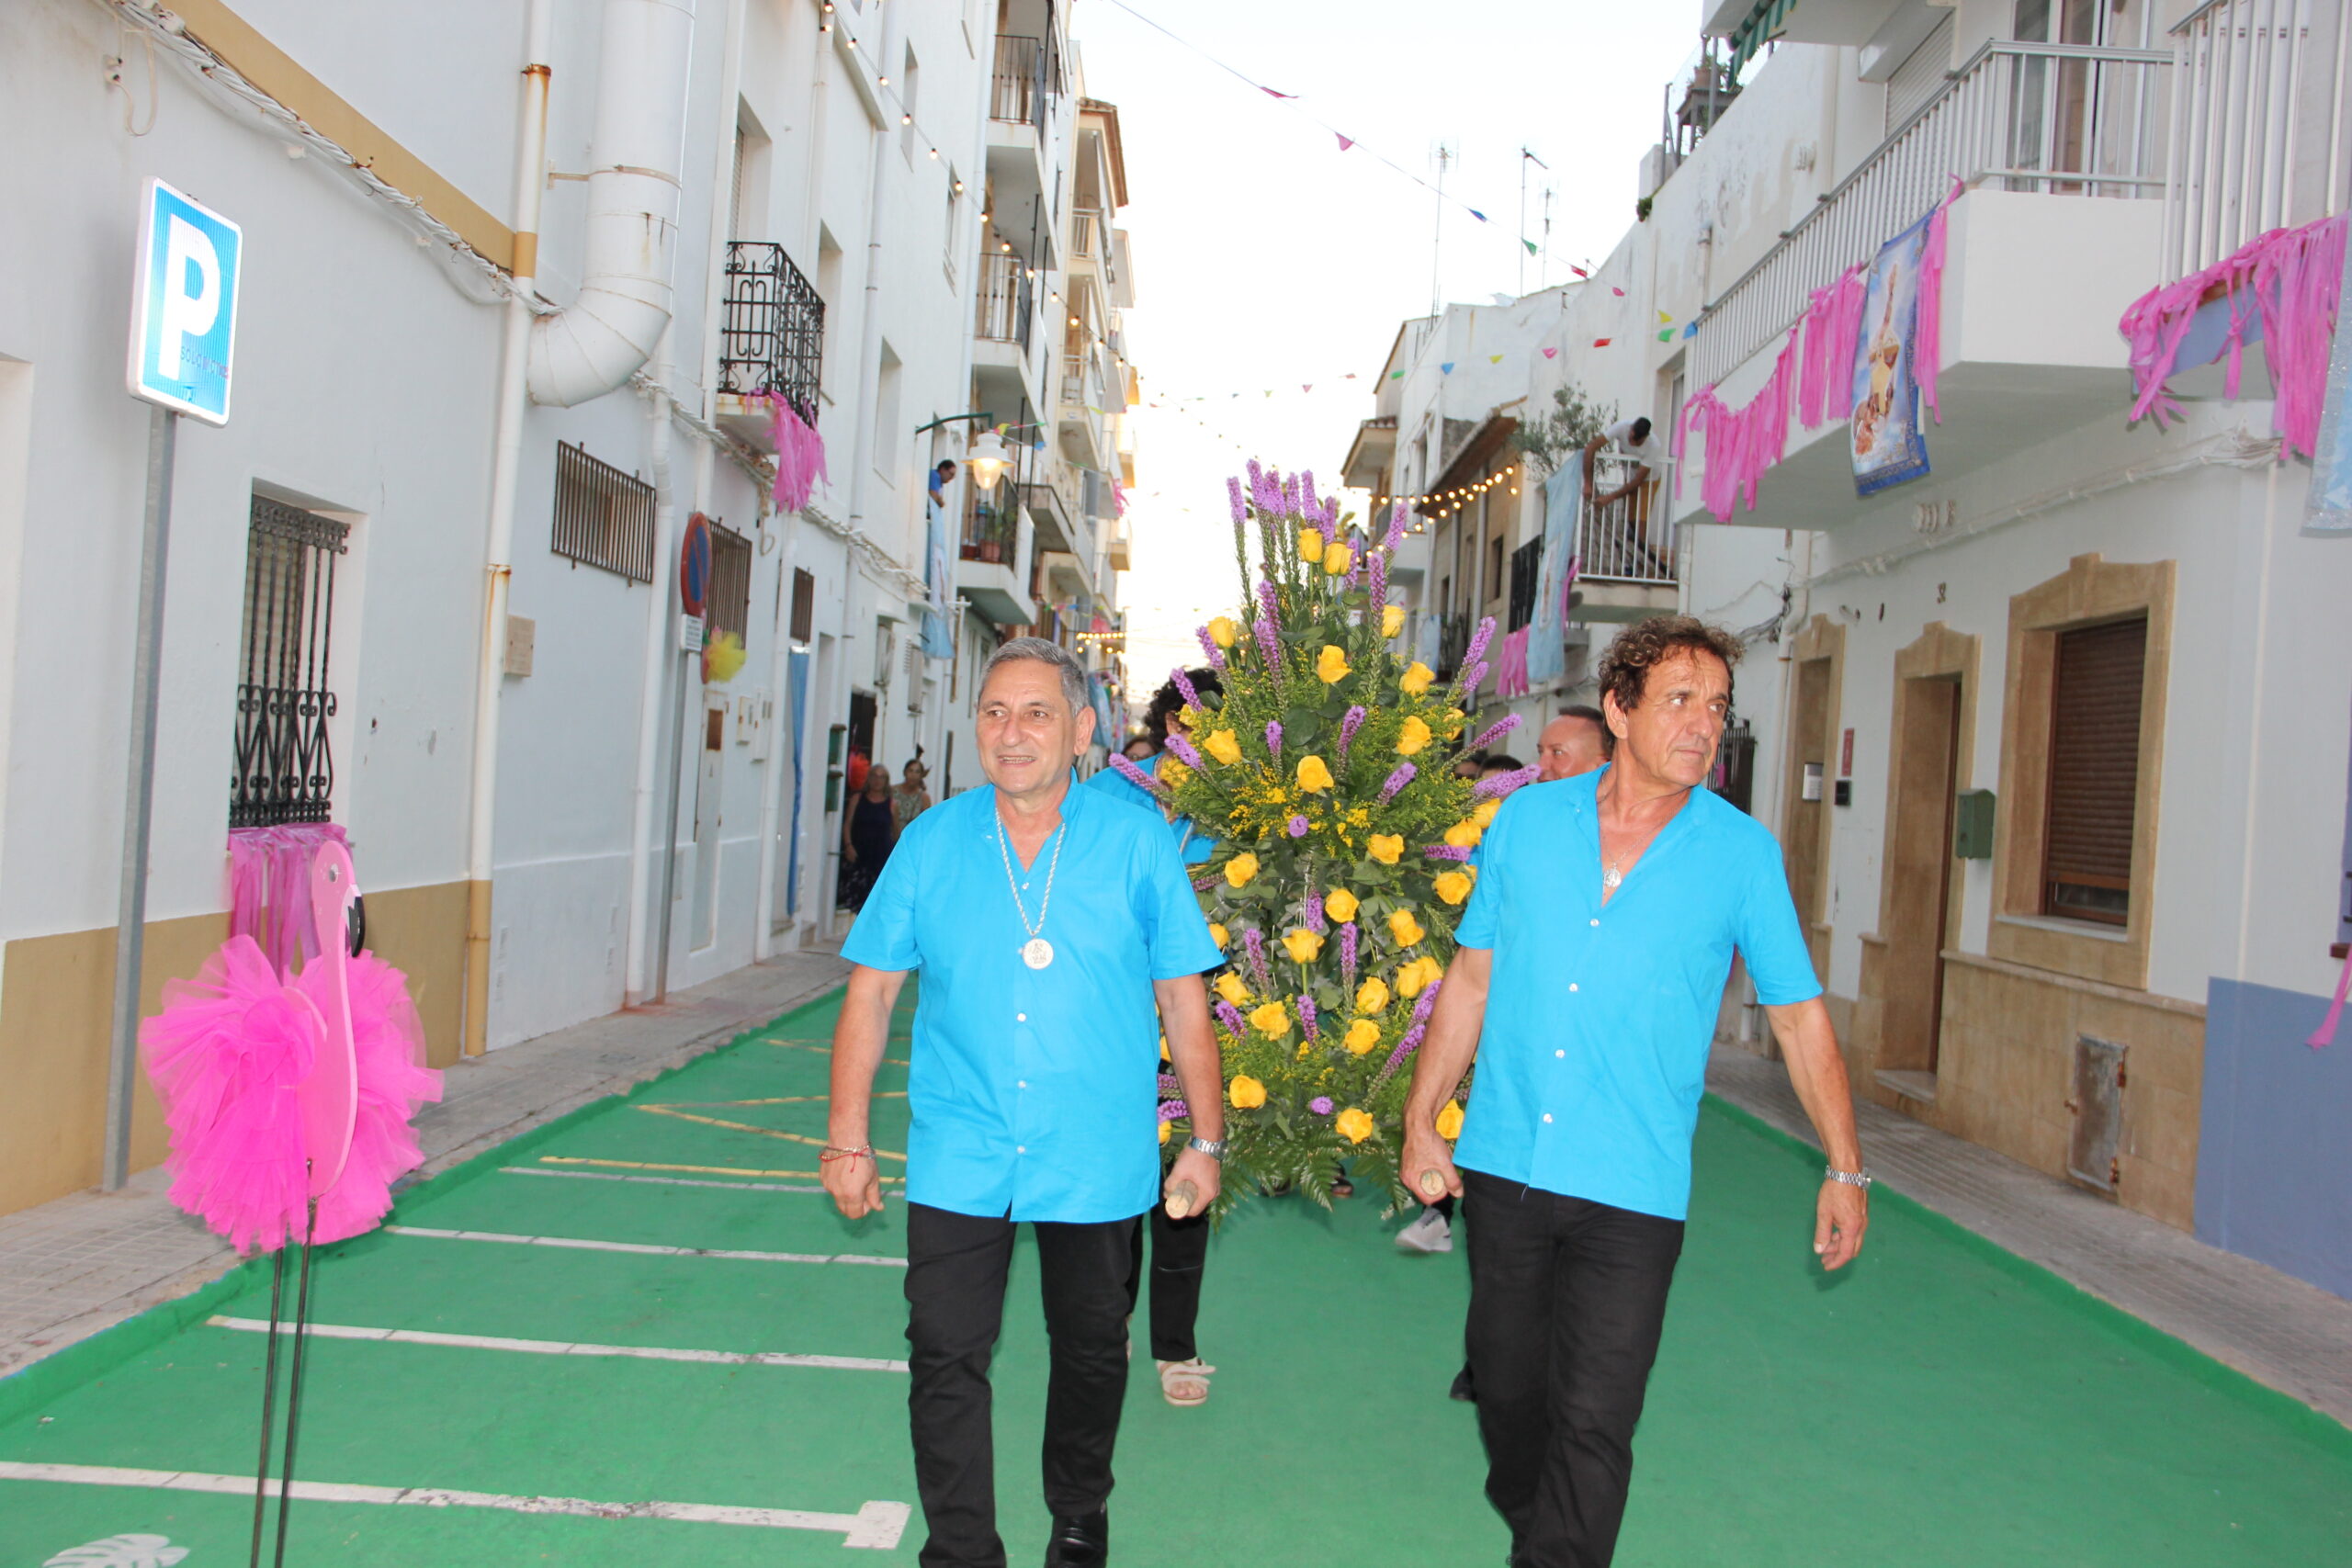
2093 771
1917 78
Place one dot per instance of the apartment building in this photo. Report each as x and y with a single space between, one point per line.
528 292
2051 715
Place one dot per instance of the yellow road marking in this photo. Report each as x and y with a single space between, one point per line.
747 1127
694 1169
785 1100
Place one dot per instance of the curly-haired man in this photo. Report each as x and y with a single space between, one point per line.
1593 955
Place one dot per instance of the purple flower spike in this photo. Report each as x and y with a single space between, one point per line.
1209 647
1492 733
1297 826
1169 1085
1268 649
1184 688
1478 641
1269 604
1445 851
1350 723
1426 1001
1229 1016
1503 783
1204 881
1290 494
1255 947
1348 956
1274 737
1397 780
1396 525
1173 1110
1308 502
1306 1016
1240 506
1184 751
1362 556
1406 1046
1137 777
1477 677
1377 578
1266 489
1320 1105
1312 907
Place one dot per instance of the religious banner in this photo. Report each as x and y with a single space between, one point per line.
1562 499
939 577
2329 510
1888 445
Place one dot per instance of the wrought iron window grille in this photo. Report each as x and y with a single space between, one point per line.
285 768
772 338
602 517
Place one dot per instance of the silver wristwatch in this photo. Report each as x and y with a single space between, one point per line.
1861 1178
1212 1147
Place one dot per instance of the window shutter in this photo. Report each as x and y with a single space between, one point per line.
2093 771
1915 80
804 606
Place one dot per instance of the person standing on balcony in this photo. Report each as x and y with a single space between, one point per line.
1591 958
1033 1091
1631 441
941 478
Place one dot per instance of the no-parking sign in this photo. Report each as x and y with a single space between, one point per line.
184 305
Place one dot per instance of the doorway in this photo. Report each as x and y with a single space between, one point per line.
708 821
1807 782
1917 916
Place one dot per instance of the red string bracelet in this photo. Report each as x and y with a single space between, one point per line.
829 1153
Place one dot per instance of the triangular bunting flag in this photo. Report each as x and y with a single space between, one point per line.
1664 319
1579 271
1617 291
1494 359
1551 354
1475 213
1306 386
1446 368
1666 336
1345 141
1395 375
1530 246
1271 94
1602 341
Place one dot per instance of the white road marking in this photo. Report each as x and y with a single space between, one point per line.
661 1180
876 1525
566 1348
644 1247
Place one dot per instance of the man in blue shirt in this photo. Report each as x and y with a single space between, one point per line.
1593 957
1034 1090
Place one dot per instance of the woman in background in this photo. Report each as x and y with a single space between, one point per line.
868 830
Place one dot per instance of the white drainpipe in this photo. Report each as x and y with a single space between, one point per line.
592 346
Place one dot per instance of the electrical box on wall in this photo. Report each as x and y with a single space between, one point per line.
1845 793
1972 824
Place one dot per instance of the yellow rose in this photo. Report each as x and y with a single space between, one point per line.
1384 846
1392 620
1465 835
1219 935
1413 737
1240 870
1404 929
1352 1124
1372 994
1484 816
1414 977
1225 631
1453 886
1449 1120
1221 745
1303 945
1313 774
1363 1035
1341 905
1273 1020
1166 1131
1310 545
1331 664
1245 1092
1229 986
1416 678
1337 558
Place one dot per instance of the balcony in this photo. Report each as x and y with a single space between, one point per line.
2061 151
1625 551
993 567
1007 301
1117 542
772 341
1018 86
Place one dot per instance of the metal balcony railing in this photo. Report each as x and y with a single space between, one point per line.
992 531
2258 126
1017 87
772 339
2065 119
1628 539
1087 234
1007 299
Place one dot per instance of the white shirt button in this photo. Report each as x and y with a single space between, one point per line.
1023 1018
1596 923
1023 1148
1547 1116
1572 985
1024 1083
1555 1054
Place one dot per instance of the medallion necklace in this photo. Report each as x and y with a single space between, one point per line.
1036 952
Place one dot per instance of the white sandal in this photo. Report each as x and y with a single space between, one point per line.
1185 1383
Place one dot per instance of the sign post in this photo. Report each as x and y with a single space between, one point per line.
694 589
183 341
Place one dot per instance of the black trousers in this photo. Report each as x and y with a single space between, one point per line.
1180 1251
956 1273
1566 1300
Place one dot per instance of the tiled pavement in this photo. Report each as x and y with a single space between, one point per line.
86 1262
2277 1329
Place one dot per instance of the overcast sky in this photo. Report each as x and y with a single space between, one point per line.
1268 259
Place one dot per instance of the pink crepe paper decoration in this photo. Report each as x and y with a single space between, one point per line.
2290 279
1833 325
1510 669
1928 336
1741 442
800 456
270 888
2324 1035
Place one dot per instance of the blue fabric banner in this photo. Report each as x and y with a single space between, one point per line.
1562 499
1888 445
939 576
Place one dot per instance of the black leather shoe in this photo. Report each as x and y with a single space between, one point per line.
1081 1541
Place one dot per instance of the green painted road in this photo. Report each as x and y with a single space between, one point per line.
1942 1404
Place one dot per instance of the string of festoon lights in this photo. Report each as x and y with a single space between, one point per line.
826 22
1446 503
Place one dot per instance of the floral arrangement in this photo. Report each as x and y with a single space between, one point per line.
1344 841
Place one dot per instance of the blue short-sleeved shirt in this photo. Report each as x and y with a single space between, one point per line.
1191 845
1598 1017
1034 1092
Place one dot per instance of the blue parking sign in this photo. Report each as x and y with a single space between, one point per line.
183 306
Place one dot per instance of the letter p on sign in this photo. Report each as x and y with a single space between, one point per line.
184 313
